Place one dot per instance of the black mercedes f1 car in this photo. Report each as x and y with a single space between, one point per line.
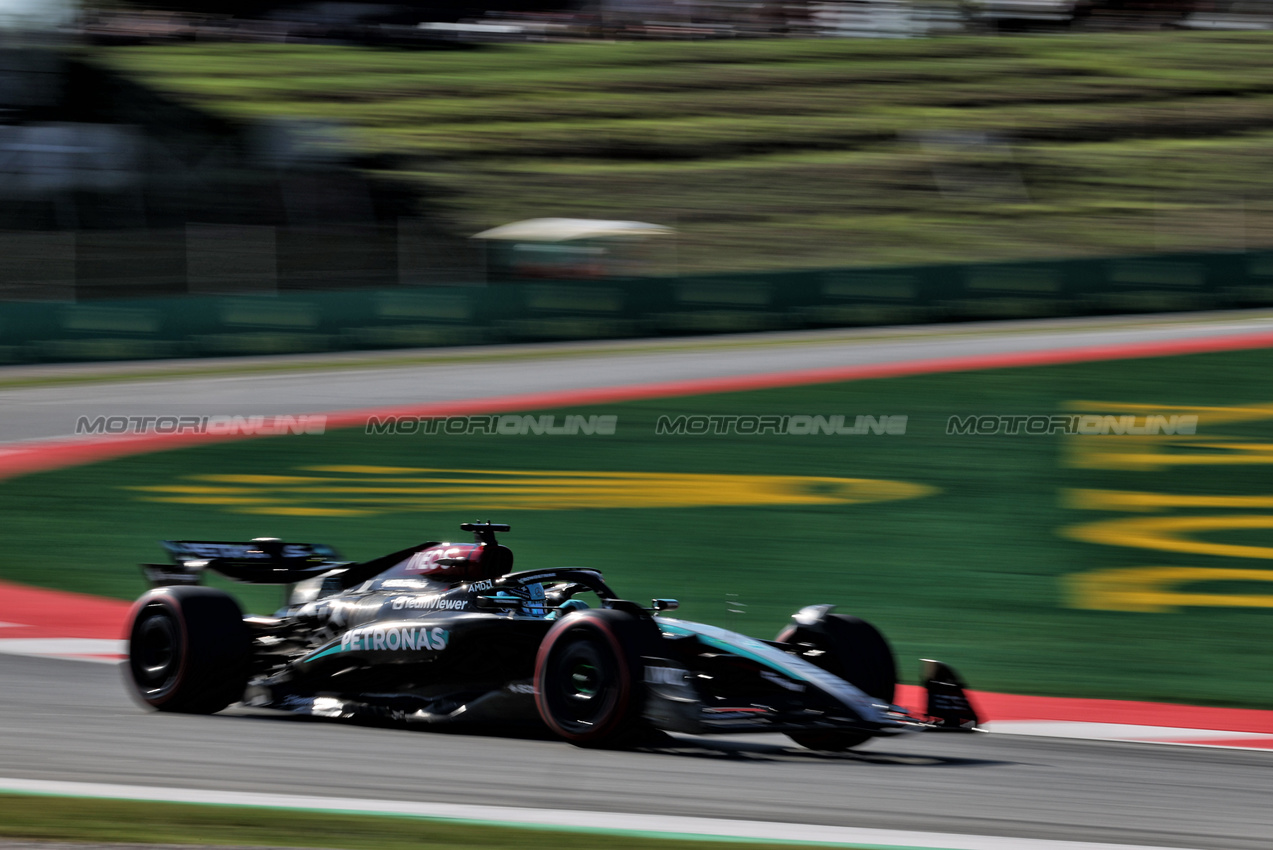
447 633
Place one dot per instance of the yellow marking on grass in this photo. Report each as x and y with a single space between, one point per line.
260 479
191 489
1152 590
1173 534
302 510
1260 449
371 470
1157 589
365 490
1154 453
206 500
1139 502
538 473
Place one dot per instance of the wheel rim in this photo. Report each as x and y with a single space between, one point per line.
582 686
155 651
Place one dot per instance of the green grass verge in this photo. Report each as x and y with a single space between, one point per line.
77 819
801 153
974 574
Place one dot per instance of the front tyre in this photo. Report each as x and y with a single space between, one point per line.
589 677
855 651
188 650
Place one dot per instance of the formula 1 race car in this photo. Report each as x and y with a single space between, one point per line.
446 633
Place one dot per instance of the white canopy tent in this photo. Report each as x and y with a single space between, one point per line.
570 229
570 248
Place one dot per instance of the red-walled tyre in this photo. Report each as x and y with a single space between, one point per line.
188 650
590 679
855 651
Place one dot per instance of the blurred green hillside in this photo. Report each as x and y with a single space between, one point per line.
801 153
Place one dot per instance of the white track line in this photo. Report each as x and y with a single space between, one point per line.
1130 732
1110 731
71 649
664 826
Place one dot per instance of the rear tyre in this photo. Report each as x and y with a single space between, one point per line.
855 651
188 650
590 679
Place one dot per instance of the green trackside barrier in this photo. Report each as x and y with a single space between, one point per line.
333 320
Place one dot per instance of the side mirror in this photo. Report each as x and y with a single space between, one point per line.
666 605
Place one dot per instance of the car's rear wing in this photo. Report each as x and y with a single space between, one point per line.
259 561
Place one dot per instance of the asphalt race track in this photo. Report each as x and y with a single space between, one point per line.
66 720
51 411
70 720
